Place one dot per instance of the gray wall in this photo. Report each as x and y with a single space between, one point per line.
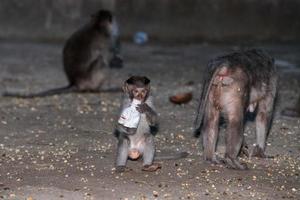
166 20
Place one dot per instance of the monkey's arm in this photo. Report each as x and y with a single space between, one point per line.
125 130
151 115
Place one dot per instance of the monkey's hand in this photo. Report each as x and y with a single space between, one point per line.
126 130
144 108
149 112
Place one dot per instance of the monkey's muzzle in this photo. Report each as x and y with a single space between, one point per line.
134 154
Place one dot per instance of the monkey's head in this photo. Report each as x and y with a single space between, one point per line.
102 21
137 87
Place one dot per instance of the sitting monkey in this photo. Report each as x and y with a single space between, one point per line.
136 127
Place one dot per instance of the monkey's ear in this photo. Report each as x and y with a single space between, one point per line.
146 80
127 84
128 87
125 88
130 80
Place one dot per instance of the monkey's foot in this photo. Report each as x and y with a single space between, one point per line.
151 168
235 164
120 169
259 152
215 160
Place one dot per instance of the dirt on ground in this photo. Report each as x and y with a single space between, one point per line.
63 147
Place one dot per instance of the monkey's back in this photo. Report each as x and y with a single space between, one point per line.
256 63
258 66
81 50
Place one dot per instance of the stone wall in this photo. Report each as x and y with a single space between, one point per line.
165 20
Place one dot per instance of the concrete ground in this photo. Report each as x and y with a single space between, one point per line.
62 147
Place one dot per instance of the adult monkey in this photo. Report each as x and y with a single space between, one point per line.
85 57
236 83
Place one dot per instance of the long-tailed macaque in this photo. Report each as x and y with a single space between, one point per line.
85 57
234 84
137 126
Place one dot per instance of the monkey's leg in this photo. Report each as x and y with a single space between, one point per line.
93 75
122 154
263 122
210 132
148 156
98 78
234 134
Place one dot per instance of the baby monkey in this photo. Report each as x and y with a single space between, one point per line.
137 125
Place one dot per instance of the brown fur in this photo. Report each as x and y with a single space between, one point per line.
85 58
236 83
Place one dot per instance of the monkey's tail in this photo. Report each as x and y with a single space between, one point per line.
173 156
209 76
110 90
67 89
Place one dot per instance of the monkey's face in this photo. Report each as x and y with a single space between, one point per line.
139 93
137 87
